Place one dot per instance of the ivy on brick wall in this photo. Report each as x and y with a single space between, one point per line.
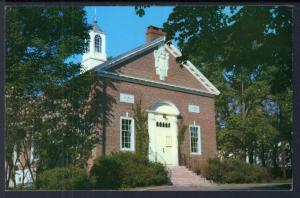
181 136
141 127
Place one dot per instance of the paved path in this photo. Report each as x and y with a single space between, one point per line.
221 187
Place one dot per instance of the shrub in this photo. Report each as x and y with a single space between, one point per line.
127 169
65 178
197 170
235 171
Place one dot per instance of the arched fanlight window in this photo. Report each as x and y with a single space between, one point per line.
98 43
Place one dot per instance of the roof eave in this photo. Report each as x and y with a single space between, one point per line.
153 83
129 55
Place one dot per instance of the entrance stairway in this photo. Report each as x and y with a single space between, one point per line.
181 176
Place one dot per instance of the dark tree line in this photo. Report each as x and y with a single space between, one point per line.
247 53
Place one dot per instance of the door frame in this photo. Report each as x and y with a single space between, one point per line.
164 108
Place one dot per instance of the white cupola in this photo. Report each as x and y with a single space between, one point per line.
96 52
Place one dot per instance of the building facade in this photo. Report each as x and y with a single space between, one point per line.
171 93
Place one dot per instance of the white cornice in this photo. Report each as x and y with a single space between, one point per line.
194 71
103 69
155 83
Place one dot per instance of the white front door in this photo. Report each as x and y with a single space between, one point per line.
163 139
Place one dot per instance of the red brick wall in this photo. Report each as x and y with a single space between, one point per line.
144 66
150 95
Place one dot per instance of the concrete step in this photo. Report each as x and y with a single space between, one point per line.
182 176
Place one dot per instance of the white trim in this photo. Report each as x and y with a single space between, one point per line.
126 98
156 82
194 71
203 79
211 89
199 142
191 107
132 136
153 107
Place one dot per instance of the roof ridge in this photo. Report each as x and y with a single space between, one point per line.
109 64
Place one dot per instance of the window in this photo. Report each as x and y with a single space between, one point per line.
195 139
88 46
163 124
127 133
98 43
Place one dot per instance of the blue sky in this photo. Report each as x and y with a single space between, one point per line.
124 29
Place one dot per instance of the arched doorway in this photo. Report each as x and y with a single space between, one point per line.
163 132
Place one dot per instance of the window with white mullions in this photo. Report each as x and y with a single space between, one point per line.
127 133
195 139
98 43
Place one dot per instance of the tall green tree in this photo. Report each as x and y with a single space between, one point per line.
40 45
246 52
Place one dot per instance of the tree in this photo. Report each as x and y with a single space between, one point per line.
246 52
40 44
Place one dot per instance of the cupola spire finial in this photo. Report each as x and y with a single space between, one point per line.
95 18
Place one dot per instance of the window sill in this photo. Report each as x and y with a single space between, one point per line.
195 153
123 149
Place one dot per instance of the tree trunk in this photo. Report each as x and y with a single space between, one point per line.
7 175
28 162
262 156
282 146
243 105
14 177
275 159
250 155
283 159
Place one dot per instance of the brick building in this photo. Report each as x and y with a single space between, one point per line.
170 93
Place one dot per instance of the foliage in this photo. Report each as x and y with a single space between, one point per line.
141 127
235 171
39 45
246 52
66 178
47 101
217 34
126 169
140 10
181 136
77 123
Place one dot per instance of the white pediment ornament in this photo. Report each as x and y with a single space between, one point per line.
161 62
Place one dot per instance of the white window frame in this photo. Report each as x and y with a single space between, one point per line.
199 138
132 145
98 43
